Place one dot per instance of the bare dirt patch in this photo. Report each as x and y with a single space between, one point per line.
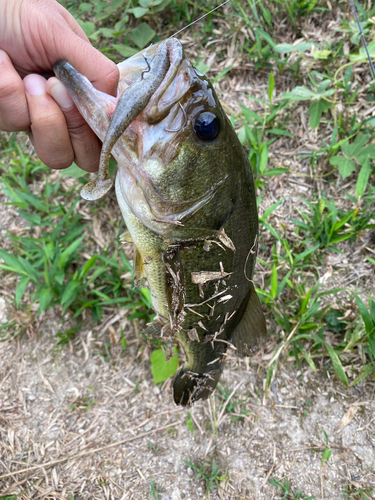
78 426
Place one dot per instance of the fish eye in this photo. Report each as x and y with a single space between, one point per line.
207 126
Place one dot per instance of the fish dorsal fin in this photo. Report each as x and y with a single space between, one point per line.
251 331
126 237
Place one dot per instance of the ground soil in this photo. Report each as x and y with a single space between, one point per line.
79 426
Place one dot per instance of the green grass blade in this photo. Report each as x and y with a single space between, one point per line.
337 366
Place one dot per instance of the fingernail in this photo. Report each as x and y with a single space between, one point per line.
61 96
35 84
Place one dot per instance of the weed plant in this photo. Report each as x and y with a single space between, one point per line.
52 264
51 260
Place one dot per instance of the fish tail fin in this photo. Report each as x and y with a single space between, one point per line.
190 386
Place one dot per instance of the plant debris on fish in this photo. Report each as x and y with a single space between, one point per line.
186 192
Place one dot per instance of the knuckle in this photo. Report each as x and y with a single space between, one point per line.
78 130
10 90
47 119
57 160
14 115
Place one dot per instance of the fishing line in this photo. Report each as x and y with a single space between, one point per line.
218 7
363 39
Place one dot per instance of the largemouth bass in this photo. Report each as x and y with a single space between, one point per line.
186 192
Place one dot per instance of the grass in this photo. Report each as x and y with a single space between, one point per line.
52 256
287 492
53 260
210 473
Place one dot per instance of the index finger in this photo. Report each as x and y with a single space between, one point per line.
101 71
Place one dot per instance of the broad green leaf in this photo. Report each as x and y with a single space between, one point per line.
250 115
356 147
89 264
45 298
73 171
337 366
85 7
142 35
345 165
283 48
138 12
87 26
124 50
365 152
263 158
12 262
364 312
326 454
307 357
266 13
299 94
202 68
315 111
20 290
34 201
64 257
304 254
70 293
116 4
303 46
363 178
321 54
362 56
107 33
161 368
266 37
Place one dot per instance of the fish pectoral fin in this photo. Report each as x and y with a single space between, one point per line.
126 237
251 331
139 268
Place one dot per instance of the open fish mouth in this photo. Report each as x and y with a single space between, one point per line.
152 132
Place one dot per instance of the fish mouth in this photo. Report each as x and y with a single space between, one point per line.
155 137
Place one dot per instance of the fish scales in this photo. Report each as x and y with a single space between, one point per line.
186 192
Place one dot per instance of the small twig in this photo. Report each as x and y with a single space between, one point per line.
196 423
286 343
117 443
267 477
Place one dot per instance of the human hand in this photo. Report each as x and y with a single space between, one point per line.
34 34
